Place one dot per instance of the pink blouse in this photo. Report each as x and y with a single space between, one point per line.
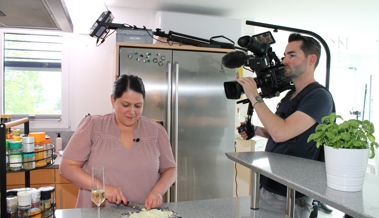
97 141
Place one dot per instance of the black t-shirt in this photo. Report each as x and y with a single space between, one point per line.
317 104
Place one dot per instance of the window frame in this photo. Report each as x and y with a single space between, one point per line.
42 122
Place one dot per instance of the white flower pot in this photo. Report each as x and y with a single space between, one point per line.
345 168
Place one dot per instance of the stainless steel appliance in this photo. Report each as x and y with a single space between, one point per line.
185 90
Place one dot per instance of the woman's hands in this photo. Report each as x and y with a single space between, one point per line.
153 200
114 195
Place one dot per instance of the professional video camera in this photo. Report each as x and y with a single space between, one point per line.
267 66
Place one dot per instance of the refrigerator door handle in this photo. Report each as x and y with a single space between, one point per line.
175 123
169 96
168 114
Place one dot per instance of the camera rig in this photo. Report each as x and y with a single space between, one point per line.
267 66
233 90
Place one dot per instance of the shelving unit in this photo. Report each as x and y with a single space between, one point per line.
3 167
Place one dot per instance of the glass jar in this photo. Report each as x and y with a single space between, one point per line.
28 160
36 198
12 203
45 202
15 155
39 148
28 144
24 203
50 189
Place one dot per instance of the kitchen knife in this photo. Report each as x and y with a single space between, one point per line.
134 206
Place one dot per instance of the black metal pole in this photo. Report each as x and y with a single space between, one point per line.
3 172
326 47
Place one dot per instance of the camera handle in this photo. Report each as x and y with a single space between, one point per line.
248 127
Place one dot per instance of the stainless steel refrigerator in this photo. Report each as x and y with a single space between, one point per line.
185 90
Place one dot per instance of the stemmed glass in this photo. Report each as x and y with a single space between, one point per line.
98 187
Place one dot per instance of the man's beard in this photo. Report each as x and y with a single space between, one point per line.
293 74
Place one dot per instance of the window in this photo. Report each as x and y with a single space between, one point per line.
32 77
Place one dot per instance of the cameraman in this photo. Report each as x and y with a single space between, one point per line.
288 135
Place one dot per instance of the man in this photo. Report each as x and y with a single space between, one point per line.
288 133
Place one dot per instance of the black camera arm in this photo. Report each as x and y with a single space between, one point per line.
247 127
326 47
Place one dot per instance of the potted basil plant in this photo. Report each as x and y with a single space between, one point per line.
347 146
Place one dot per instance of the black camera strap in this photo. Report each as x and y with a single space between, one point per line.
293 107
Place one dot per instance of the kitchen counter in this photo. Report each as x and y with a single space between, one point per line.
309 178
214 208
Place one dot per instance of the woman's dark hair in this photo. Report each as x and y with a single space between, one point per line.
127 82
309 46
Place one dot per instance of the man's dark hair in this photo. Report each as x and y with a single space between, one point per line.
309 46
127 82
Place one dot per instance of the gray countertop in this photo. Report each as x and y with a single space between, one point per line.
309 178
214 208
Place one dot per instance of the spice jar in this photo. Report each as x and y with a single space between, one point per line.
29 161
46 200
35 212
36 198
39 148
28 144
12 204
15 155
24 203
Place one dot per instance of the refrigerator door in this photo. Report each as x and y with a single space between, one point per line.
154 67
205 126
185 90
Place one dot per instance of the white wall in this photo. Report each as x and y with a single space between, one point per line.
92 69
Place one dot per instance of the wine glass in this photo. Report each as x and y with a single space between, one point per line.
98 187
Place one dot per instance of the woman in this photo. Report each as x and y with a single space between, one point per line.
135 151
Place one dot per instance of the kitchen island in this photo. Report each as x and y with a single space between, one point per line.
309 177
214 208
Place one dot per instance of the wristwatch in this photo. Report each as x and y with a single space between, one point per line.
256 100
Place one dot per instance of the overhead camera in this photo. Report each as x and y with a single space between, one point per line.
264 62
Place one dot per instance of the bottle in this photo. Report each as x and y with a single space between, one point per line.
58 143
